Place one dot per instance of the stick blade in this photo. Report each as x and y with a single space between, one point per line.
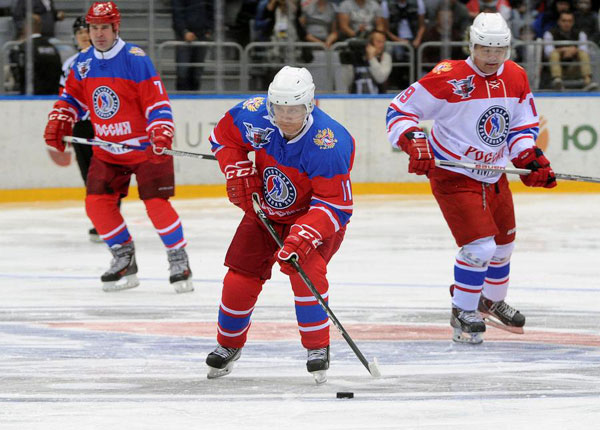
374 368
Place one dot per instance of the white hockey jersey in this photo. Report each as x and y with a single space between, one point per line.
477 118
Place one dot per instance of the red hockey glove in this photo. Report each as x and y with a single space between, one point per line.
60 124
414 143
535 160
161 138
298 244
242 182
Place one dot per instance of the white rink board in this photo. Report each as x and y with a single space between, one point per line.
26 162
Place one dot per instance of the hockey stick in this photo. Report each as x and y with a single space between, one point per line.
96 142
371 367
515 171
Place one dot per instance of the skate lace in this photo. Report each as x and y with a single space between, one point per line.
317 354
470 316
178 261
224 352
121 258
504 308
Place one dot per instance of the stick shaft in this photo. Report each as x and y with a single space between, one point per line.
174 152
515 171
267 223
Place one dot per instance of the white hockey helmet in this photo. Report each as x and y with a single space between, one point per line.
490 29
291 86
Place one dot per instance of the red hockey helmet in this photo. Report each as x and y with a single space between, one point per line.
104 12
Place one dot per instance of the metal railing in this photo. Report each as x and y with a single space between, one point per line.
233 69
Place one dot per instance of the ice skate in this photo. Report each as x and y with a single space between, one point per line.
318 363
179 266
501 315
220 362
468 326
122 268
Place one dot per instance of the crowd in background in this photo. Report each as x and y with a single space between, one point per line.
368 64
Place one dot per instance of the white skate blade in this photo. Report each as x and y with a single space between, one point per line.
463 337
214 373
320 376
489 320
183 286
125 283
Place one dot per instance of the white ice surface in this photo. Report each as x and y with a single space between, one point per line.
74 357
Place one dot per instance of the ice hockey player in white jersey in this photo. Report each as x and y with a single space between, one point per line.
483 112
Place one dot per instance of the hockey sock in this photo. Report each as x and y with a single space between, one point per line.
313 322
470 269
166 222
104 213
238 298
495 287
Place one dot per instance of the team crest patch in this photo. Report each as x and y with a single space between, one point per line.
83 68
463 87
135 50
258 137
492 126
253 104
325 139
280 193
106 102
444 66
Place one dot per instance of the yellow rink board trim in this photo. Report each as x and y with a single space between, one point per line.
206 191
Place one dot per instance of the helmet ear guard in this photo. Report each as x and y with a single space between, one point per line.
490 30
291 86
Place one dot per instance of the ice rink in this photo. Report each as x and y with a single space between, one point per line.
74 357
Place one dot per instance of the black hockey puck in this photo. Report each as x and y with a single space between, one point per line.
344 395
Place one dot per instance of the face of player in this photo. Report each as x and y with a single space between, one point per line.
489 59
82 38
103 36
289 119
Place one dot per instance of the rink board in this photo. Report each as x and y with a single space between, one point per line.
568 135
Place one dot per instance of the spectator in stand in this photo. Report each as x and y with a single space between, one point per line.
586 20
357 18
372 69
519 16
319 20
276 20
47 66
404 20
460 13
445 29
560 55
46 11
490 6
192 22
546 20
241 30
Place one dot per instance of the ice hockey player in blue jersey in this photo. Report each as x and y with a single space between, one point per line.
301 170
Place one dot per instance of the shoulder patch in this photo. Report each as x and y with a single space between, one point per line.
135 50
444 66
83 67
325 139
253 104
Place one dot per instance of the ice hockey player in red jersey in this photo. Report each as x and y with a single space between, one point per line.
483 112
127 103
301 170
